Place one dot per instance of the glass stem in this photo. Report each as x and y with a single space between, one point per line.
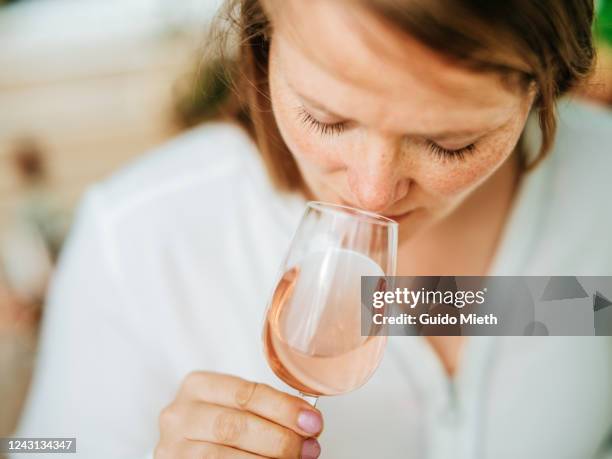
312 399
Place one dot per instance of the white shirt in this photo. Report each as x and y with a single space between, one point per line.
170 266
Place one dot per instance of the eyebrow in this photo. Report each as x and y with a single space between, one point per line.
430 135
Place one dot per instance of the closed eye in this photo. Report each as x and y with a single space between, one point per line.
319 126
445 153
338 128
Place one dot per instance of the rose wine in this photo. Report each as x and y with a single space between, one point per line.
312 335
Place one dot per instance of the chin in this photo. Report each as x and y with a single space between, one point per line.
413 223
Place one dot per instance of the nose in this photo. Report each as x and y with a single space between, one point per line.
375 178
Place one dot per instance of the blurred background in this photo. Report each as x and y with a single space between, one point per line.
86 86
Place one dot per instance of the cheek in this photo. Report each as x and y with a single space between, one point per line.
453 179
307 146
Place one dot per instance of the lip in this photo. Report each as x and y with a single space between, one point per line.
399 216
392 216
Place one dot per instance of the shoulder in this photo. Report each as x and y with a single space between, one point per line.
585 124
212 170
570 192
198 193
580 166
581 147
202 157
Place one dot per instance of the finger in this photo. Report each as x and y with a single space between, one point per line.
260 399
197 449
242 430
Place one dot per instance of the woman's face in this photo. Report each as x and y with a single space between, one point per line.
378 121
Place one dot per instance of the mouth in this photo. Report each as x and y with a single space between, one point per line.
400 216
396 216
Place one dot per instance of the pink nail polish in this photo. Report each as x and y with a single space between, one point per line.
310 422
310 449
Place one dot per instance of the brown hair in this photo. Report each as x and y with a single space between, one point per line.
546 43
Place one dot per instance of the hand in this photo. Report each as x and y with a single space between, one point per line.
222 416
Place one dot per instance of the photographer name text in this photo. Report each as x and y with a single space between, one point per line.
412 298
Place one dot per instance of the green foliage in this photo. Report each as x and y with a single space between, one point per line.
603 22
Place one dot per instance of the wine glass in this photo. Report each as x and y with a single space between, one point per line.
312 332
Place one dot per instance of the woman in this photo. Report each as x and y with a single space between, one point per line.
416 110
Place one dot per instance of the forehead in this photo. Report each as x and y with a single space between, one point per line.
357 65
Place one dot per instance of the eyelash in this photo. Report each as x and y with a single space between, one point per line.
320 127
338 128
443 153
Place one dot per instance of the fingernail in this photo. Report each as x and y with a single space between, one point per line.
310 421
311 449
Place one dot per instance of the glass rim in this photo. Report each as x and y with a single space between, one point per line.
348 211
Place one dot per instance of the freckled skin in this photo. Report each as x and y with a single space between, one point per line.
395 92
393 98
